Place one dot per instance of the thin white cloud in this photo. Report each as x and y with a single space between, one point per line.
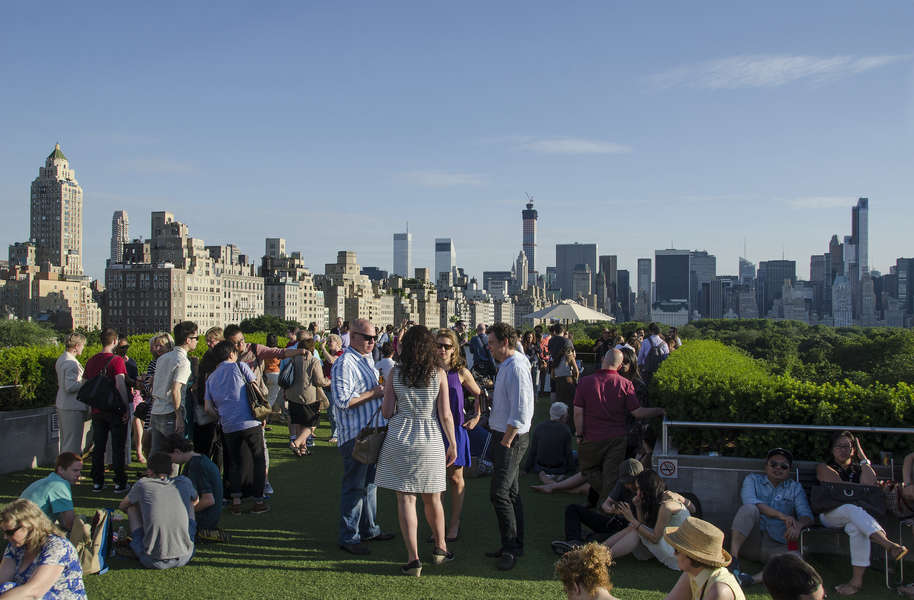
442 178
822 202
770 70
569 145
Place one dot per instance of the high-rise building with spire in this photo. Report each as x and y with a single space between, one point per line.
530 217
120 235
860 234
56 220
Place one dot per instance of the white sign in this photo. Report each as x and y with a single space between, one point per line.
668 468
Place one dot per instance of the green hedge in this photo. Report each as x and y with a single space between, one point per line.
32 368
708 381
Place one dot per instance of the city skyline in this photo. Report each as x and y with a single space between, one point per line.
747 129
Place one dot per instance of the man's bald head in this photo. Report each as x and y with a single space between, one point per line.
612 359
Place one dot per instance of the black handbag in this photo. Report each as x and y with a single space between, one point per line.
829 496
101 394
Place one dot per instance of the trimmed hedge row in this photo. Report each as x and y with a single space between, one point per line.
708 381
32 369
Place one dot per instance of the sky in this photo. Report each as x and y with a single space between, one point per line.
639 126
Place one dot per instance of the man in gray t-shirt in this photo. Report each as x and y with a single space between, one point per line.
159 510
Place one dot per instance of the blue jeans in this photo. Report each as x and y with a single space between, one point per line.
332 420
358 499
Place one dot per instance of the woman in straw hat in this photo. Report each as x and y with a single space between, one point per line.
700 553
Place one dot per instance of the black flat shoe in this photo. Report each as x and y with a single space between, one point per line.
357 549
506 562
413 569
381 537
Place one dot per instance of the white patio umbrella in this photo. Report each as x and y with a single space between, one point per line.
569 311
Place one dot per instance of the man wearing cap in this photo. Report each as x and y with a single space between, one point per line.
602 404
605 521
774 512
700 553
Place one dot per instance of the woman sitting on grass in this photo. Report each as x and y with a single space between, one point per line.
39 561
584 572
655 509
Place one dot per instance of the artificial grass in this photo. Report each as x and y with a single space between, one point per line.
291 552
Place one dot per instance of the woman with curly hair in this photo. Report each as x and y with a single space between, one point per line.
584 572
458 379
413 459
39 561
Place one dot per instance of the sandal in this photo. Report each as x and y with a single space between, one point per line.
296 450
235 509
846 589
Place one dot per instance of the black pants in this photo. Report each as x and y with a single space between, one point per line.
598 522
103 424
203 438
252 438
505 490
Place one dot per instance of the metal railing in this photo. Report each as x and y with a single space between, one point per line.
665 441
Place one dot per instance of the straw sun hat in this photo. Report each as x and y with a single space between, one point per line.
699 540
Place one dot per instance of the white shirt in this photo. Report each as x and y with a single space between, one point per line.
384 366
513 399
171 367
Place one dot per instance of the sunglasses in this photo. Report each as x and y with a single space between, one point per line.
365 336
445 346
12 532
778 465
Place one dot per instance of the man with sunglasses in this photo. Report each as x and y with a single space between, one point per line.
355 395
774 512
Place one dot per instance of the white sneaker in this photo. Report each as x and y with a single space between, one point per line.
267 489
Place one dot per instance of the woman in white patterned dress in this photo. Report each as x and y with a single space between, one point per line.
413 460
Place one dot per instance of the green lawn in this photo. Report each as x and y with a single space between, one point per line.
291 552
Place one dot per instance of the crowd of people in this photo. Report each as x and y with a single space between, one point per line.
431 390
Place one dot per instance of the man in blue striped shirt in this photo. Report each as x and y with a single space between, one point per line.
355 396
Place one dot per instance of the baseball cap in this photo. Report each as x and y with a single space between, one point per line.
785 453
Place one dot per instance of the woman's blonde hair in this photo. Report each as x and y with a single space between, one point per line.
214 333
587 566
335 338
25 513
457 361
73 340
163 339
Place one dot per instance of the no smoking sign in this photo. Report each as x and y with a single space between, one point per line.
668 468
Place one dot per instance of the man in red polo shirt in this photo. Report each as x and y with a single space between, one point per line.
602 404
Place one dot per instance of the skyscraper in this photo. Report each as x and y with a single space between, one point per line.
771 277
704 269
530 216
57 214
746 272
673 275
445 257
644 277
860 234
567 259
607 283
275 248
120 235
403 254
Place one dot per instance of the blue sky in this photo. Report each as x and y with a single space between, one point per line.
634 125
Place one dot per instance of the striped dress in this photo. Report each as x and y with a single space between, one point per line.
412 458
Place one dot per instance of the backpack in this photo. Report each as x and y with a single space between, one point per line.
287 374
100 392
93 542
655 356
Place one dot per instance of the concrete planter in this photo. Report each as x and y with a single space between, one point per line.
28 438
717 481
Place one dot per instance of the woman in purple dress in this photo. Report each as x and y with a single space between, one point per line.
458 378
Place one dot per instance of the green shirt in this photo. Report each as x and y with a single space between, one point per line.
52 495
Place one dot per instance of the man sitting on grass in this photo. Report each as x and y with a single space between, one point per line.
160 511
53 494
204 475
